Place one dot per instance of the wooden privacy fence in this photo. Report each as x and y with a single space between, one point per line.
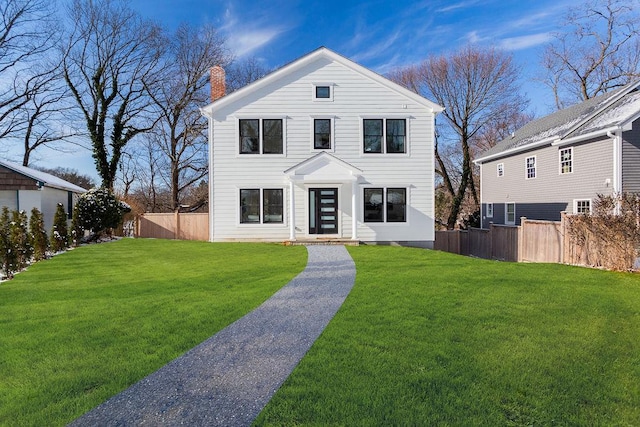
532 241
183 226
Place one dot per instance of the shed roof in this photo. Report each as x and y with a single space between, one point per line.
46 179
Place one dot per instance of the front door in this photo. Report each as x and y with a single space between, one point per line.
323 211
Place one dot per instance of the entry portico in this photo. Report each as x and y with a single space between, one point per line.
323 179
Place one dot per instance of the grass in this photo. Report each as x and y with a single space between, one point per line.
429 338
79 328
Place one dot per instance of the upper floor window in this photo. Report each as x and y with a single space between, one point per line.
500 169
384 135
261 206
261 136
322 134
566 160
323 92
531 167
582 206
385 205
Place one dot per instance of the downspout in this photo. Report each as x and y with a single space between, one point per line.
617 164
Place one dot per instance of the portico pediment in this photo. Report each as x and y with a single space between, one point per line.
323 167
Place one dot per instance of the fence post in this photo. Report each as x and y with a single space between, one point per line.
564 256
177 229
521 234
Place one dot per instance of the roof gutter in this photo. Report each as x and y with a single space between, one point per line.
513 150
560 142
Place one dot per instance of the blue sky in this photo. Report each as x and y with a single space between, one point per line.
380 35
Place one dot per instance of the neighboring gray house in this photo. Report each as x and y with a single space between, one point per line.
561 162
23 188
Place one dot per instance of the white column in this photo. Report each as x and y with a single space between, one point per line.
354 210
292 211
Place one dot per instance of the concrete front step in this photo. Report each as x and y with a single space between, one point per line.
305 242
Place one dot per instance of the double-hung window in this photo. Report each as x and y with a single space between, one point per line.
322 134
500 169
261 136
384 135
510 213
531 167
261 206
566 160
489 210
582 206
385 205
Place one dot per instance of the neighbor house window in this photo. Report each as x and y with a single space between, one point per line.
261 206
385 205
582 206
566 160
322 134
510 210
489 210
500 169
531 167
384 135
261 136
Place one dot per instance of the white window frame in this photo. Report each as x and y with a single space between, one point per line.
506 213
312 133
384 118
489 210
261 223
260 154
534 169
577 201
500 170
570 150
331 87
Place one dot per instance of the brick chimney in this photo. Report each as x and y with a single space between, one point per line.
218 82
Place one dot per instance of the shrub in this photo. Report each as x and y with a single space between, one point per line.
76 231
20 239
38 235
100 211
59 234
7 251
610 236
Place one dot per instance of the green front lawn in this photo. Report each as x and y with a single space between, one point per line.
429 338
79 328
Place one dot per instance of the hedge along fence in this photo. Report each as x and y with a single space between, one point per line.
610 238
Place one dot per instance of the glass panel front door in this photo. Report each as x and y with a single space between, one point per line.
323 211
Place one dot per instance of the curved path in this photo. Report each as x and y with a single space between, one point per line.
229 378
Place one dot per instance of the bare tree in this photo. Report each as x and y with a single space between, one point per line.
181 131
26 37
241 73
110 58
478 87
71 175
599 52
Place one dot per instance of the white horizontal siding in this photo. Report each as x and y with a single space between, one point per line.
354 97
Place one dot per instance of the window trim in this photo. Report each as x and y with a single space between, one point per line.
500 170
526 167
575 206
506 213
489 212
561 172
261 222
314 87
312 133
261 136
385 190
384 118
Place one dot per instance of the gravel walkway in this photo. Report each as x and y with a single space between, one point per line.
229 378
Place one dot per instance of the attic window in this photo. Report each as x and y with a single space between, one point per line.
323 92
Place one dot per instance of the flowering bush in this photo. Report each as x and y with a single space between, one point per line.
99 210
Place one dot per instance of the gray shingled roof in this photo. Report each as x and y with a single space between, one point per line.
47 179
602 112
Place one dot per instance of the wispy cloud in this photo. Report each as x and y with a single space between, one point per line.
524 42
245 37
456 6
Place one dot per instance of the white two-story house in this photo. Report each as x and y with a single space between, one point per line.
322 148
